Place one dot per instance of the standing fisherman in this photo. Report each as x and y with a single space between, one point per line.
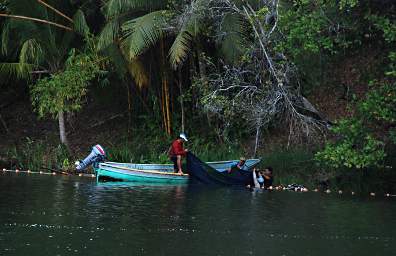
176 152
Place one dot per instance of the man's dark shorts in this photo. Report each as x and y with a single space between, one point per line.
174 160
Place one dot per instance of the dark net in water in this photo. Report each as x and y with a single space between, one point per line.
203 173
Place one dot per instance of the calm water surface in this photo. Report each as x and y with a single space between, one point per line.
54 215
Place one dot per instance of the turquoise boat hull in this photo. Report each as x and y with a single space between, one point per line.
156 173
122 173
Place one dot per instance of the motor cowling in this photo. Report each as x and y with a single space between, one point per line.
97 155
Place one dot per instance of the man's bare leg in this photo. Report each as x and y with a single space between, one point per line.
179 164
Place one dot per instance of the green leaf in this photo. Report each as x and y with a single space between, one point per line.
80 24
141 33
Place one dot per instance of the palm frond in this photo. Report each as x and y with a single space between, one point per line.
180 48
80 24
5 35
190 22
138 72
26 7
31 53
108 34
233 31
116 57
114 8
124 66
22 71
143 32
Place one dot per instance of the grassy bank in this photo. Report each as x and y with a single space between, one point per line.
296 165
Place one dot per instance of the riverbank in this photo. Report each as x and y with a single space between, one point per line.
291 166
33 144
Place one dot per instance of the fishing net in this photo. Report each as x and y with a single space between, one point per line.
203 173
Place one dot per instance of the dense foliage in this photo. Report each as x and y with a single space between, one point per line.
368 137
233 74
65 91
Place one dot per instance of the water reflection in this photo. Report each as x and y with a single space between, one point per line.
62 215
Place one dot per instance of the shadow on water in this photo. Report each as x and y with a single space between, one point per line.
46 215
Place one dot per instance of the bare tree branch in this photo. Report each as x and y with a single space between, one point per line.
36 20
55 10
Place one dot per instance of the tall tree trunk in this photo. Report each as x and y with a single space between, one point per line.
257 140
202 75
62 129
167 104
4 124
181 100
165 92
128 87
164 121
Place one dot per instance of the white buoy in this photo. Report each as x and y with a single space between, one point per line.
54 173
372 194
352 193
80 174
340 192
328 191
93 175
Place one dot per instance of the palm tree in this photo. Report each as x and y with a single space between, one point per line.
138 26
40 38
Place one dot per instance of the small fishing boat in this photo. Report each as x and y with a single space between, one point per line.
154 173
157 173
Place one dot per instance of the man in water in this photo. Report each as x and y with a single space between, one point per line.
176 152
268 177
239 166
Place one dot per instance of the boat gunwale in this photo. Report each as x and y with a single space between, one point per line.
225 161
257 160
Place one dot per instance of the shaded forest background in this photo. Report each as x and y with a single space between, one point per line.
308 86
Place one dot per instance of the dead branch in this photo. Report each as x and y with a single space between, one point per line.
55 10
267 88
36 20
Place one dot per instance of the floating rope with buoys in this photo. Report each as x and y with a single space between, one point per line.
327 191
277 188
51 172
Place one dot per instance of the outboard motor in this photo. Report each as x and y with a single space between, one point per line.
96 156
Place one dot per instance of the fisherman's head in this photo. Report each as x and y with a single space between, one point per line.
183 136
268 170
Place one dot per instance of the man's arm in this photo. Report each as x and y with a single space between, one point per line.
256 184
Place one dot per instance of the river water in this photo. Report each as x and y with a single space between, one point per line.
61 215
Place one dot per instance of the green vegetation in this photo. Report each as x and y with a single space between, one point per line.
255 78
368 137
